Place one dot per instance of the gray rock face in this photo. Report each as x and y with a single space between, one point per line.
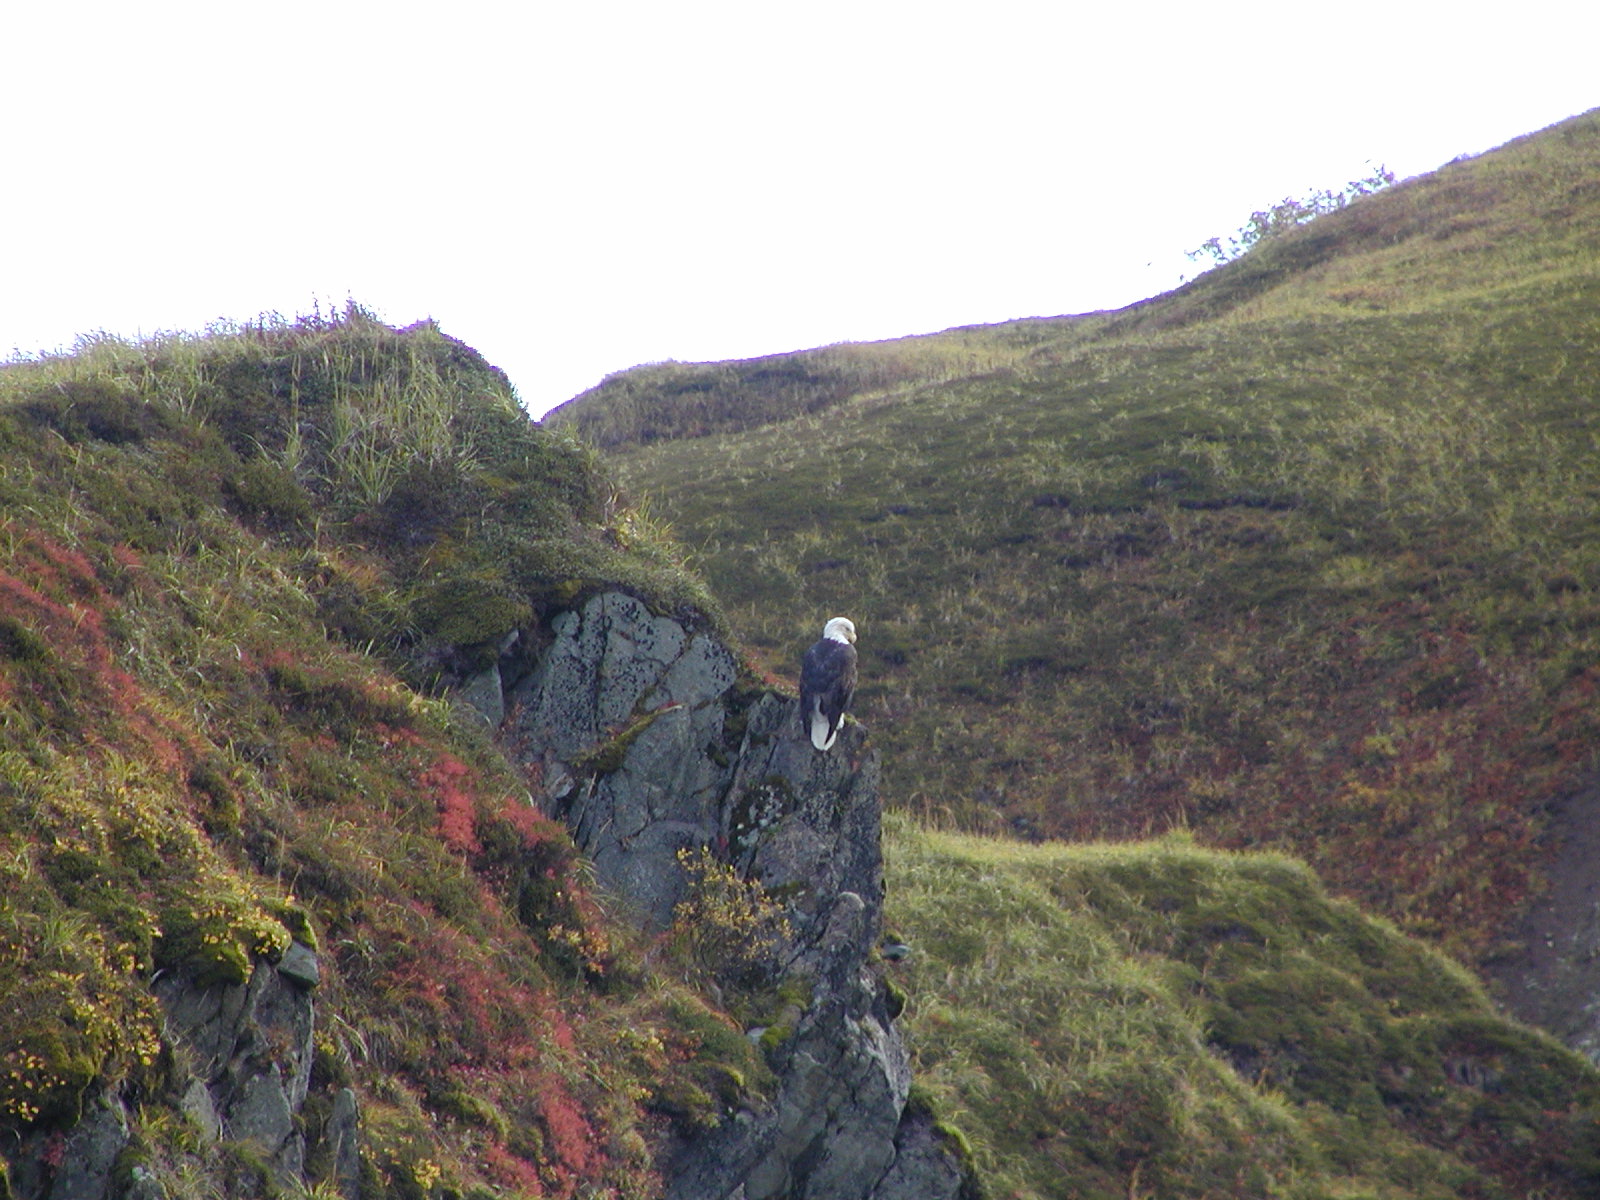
299 965
621 684
90 1156
344 1136
923 1166
831 1130
242 1057
249 1049
626 725
806 823
1553 978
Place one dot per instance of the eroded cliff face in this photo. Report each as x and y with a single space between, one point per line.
636 736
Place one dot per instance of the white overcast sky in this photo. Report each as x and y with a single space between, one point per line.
575 188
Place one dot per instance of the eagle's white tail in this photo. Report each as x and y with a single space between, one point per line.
820 737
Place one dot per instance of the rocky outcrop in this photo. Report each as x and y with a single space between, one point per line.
1551 975
623 724
241 1070
83 1165
246 1055
924 1164
636 731
637 736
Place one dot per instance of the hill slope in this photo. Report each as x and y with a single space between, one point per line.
1301 555
240 576
221 558
1157 1019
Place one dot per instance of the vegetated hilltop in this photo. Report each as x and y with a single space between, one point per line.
670 400
233 570
1302 555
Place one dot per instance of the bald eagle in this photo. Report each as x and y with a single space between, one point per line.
828 681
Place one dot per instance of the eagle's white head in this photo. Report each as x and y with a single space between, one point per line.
840 629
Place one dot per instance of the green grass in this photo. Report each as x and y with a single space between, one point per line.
1302 555
1164 1020
666 401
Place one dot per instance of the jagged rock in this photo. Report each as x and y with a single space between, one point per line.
483 695
242 1055
90 1155
627 726
612 660
616 720
924 1169
624 723
830 1132
143 1185
250 1049
259 1112
344 1135
299 965
1552 977
83 1165
806 823
198 1106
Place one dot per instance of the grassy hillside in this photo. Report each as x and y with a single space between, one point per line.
232 569
1302 555
1162 1020
237 572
